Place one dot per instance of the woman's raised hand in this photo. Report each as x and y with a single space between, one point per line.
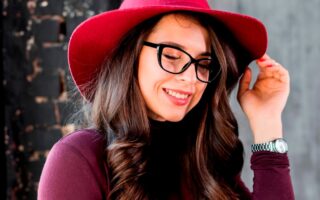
265 101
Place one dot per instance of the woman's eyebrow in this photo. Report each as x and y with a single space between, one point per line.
206 53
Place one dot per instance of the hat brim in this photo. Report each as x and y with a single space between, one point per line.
96 37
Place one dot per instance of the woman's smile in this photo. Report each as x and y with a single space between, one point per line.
178 97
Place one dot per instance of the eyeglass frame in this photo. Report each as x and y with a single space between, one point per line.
161 46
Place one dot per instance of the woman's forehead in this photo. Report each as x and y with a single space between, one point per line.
181 19
182 29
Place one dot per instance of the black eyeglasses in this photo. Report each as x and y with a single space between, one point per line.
174 60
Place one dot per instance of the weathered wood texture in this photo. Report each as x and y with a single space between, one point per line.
36 84
294 40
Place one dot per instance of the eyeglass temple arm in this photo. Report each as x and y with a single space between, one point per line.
150 44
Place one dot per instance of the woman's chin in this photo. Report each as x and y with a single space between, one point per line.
171 118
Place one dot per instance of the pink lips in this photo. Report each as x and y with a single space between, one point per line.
178 97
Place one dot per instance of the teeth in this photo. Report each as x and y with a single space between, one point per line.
177 95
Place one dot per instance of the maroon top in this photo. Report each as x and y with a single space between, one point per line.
75 169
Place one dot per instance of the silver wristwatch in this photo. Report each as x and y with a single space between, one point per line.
277 145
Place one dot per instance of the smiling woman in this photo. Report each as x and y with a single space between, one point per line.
157 98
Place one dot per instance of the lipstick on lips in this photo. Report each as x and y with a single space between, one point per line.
178 97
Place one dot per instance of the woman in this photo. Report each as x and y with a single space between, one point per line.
156 76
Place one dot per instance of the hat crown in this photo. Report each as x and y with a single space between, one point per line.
127 4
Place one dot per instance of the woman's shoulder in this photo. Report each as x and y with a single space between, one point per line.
75 168
88 142
83 136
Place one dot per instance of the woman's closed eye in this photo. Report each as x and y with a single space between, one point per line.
205 64
171 56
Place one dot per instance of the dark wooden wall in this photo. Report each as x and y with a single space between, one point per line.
35 83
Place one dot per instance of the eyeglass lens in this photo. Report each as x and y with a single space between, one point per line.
176 61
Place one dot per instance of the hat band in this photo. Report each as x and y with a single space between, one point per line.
127 4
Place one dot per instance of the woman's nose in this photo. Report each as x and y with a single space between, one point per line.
189 74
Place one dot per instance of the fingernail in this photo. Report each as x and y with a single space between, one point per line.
270 65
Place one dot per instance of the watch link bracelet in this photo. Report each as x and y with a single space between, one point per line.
278 145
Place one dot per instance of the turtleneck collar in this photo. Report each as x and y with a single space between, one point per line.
169 143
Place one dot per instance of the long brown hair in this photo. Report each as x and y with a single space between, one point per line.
215 157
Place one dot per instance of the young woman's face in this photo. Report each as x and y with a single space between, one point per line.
169 97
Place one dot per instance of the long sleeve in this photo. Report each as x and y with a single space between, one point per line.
73 170
271 176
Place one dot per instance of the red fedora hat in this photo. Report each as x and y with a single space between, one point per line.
97 36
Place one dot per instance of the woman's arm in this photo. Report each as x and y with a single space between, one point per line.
263 105
271 177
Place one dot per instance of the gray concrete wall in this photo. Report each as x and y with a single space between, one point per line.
294 40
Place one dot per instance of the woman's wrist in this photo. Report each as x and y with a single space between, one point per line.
266 130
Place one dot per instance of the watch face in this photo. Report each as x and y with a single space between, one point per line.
281 146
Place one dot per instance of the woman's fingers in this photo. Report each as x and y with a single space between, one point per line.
269 68
265 62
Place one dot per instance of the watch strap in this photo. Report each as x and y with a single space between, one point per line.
262 147
278 145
